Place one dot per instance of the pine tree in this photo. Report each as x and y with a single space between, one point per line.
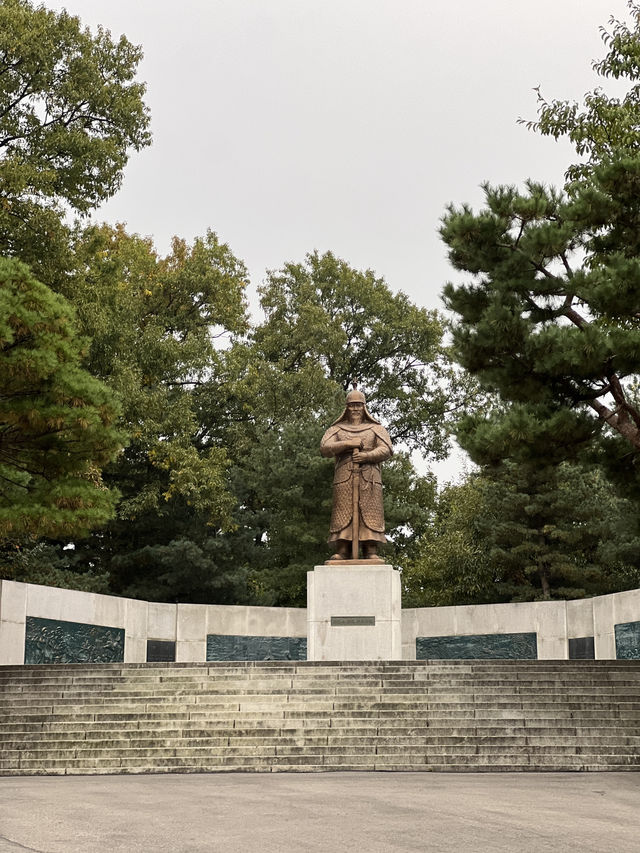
57 422
549 320
523 532
549 526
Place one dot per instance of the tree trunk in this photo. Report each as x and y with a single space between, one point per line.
624 426
544 581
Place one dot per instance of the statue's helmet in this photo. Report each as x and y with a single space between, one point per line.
355 396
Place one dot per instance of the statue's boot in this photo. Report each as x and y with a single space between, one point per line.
370 552
343 552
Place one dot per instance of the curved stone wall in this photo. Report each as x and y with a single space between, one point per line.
44 624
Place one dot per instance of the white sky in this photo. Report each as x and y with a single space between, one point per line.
291 125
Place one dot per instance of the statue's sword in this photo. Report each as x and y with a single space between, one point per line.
355 524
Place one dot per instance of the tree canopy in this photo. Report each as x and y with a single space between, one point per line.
153 323
70 111
267 400
154 442
525 531
349 323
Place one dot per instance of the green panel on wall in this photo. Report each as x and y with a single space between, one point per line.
582 648
628 641
478 647
54 641
232 647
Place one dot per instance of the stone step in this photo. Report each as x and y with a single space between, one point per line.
212 756
630 701
329 688
630 688
406 694
293 698
323 735
504 762
296 730
318 752
280 719
342 716
212 687
339 716
152 705
419 670
56 744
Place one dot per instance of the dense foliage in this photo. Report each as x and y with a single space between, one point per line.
526 532
57 421
153 323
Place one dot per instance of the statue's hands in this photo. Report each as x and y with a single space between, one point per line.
359 455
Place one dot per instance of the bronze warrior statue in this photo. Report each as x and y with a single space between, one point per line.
359 444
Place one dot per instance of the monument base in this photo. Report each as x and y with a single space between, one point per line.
361 561
353 612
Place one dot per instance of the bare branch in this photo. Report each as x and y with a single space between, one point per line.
577 319
566 264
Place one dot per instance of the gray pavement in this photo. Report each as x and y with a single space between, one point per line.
364 812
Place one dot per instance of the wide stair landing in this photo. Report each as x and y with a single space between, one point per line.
292 716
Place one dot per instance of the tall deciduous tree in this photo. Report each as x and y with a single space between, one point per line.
57 422
153 323
70 111
349 323
449 563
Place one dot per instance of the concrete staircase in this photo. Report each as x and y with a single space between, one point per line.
292 716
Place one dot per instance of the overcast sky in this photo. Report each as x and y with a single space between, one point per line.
291 125
349 125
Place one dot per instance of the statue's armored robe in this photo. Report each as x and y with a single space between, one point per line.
376 447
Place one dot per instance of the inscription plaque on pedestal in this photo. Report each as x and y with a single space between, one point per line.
354 621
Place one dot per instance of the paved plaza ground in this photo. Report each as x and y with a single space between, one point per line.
363 812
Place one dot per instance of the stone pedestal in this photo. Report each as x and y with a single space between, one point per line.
353 612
